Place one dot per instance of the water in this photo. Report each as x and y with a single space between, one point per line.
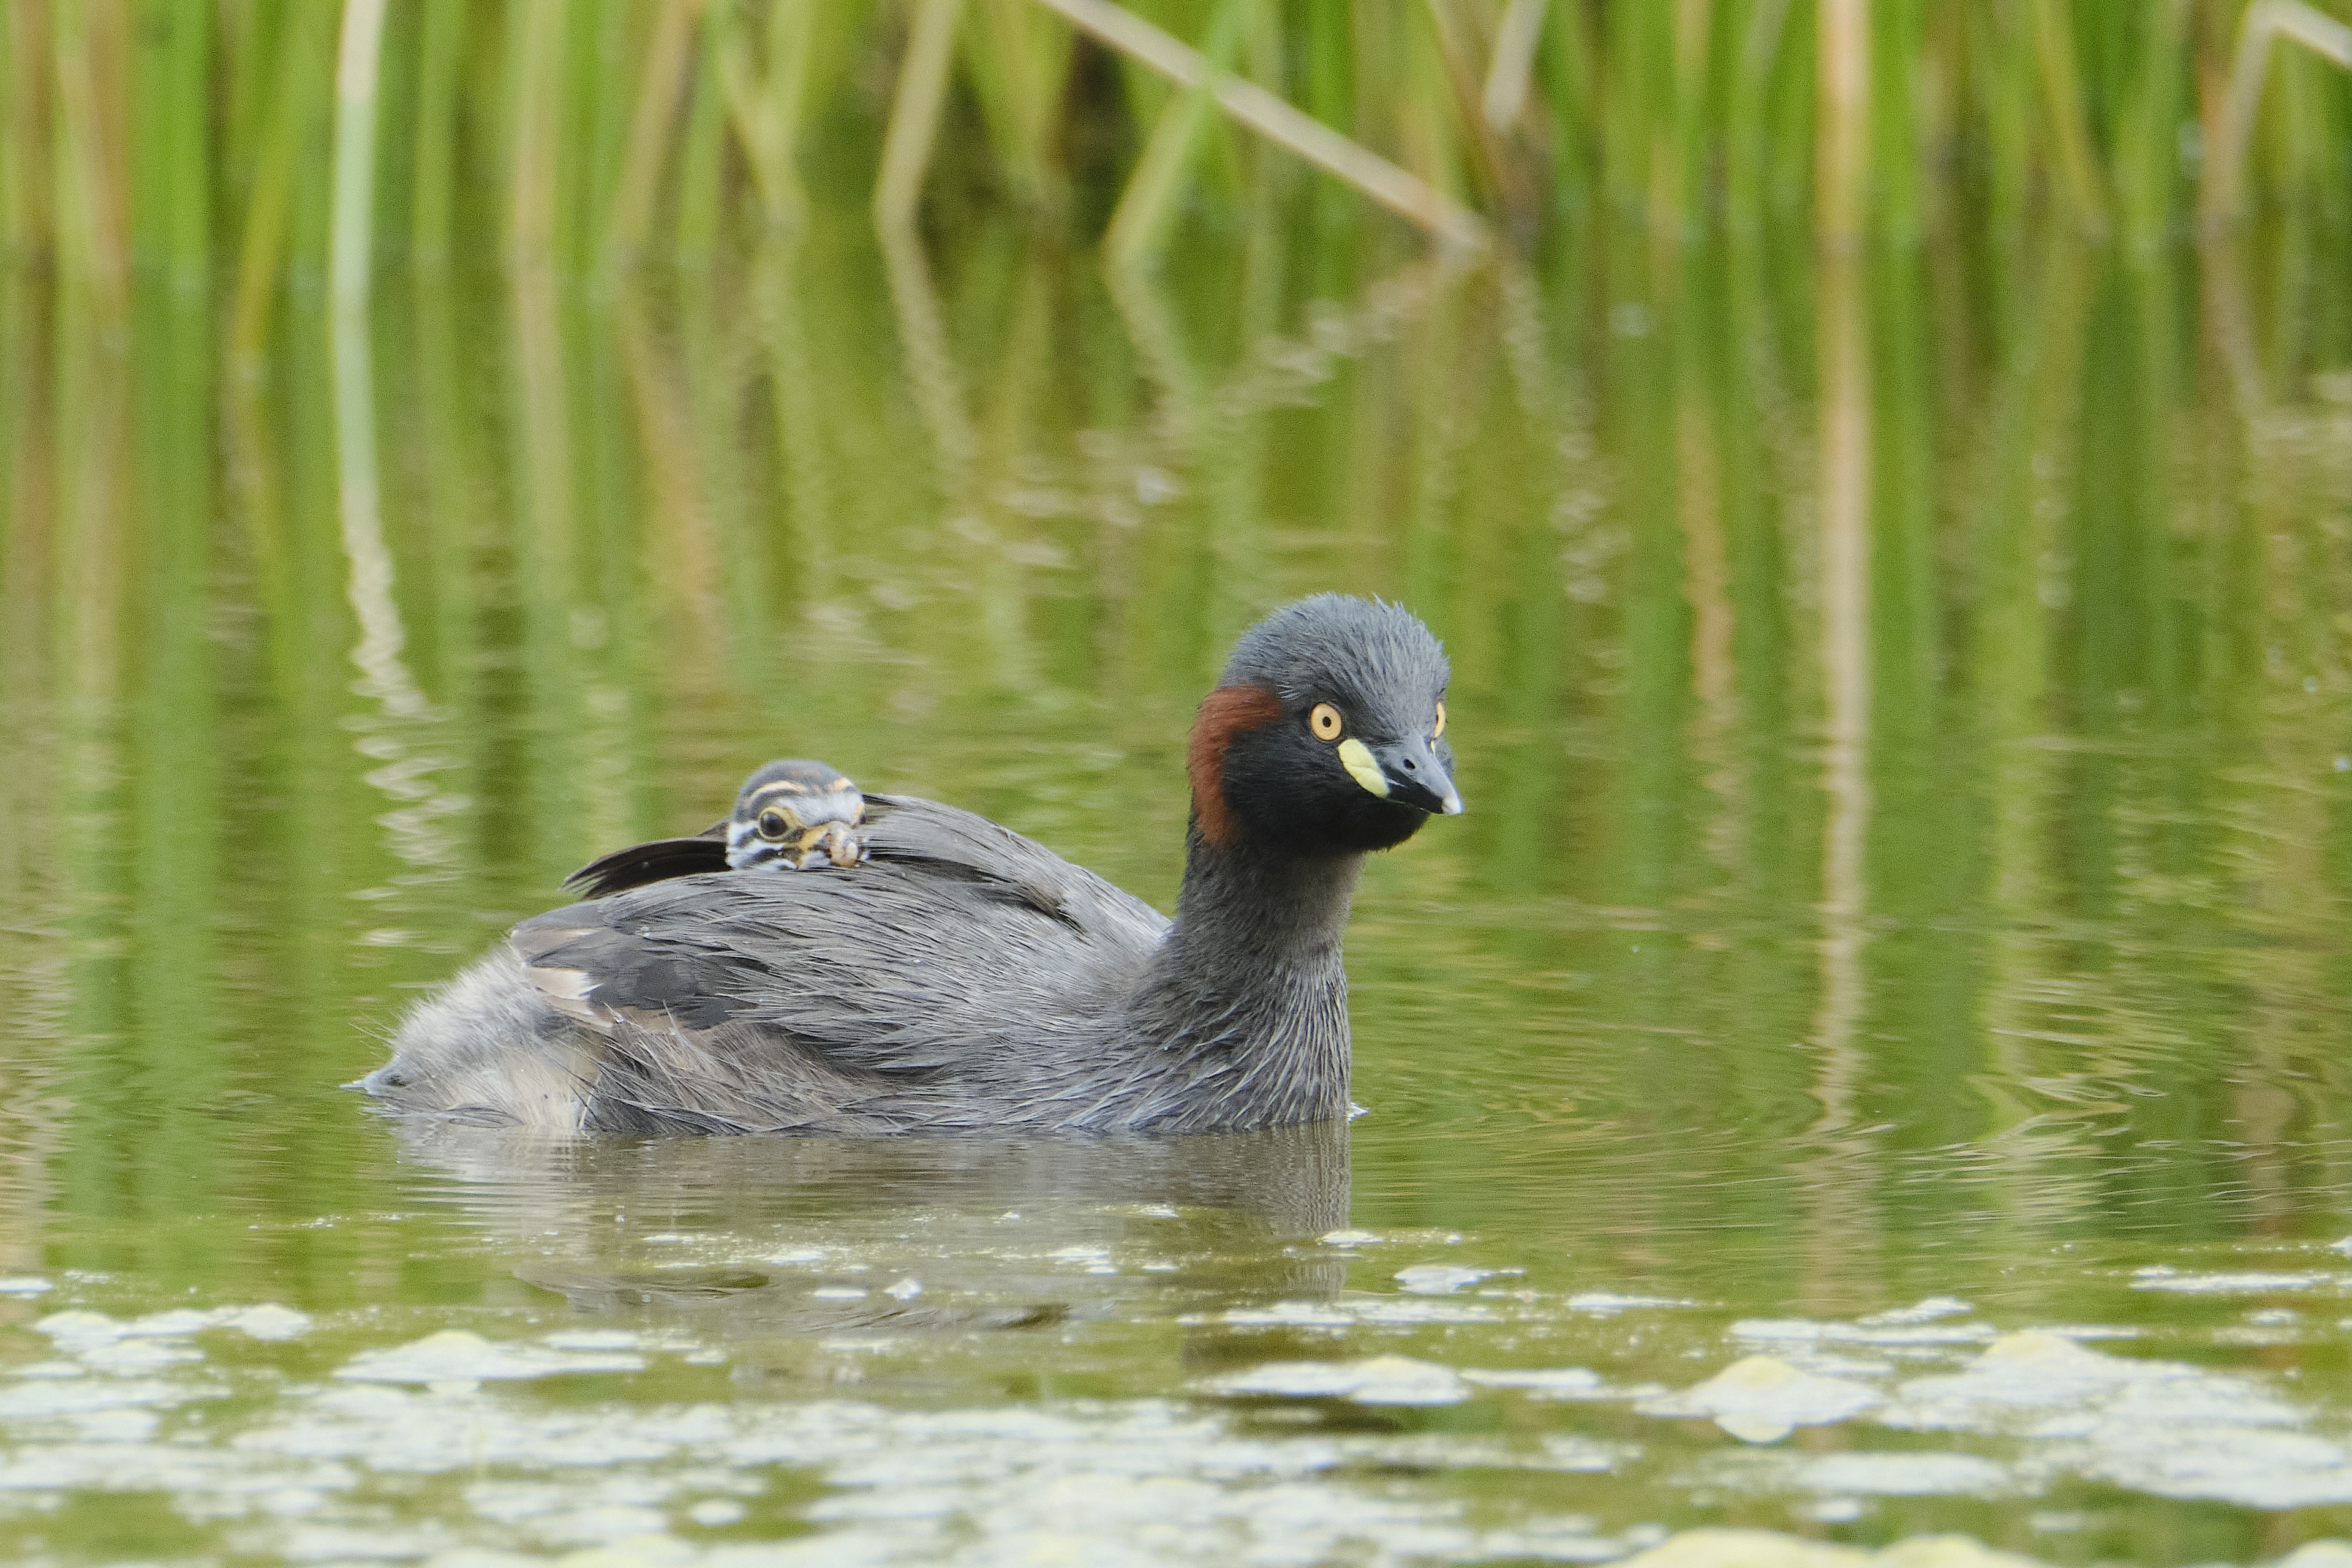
1870 1062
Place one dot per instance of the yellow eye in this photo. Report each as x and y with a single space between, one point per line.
774 825
1324 722
1441 722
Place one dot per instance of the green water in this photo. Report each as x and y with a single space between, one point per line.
1902 711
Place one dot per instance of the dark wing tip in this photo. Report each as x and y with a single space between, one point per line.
642 863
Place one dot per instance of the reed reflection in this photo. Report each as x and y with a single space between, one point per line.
1838 1177
2054 885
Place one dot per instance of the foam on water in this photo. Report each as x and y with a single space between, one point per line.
395 1437
455 1355
1379 1380
1762 1398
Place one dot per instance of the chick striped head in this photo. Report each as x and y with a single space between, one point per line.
798 815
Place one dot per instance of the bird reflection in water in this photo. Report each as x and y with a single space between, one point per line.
743 1240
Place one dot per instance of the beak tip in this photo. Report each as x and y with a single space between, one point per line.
1452 804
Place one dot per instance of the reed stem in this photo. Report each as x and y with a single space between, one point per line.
295 81
539 27
660 92
1409 197
359 62
575 128
702 160
171 176
432 222
1510 73
915 113
1843 85
752 112
2061 96
792 46
1140 224
25 229
2146 156
2265 21
90 243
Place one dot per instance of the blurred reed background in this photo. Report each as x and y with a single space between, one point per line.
1933 654
606 132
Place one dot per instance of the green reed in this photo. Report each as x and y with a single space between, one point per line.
137 132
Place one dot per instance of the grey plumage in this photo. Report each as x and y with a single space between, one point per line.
966 980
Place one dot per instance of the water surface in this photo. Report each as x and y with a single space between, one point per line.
1870 1062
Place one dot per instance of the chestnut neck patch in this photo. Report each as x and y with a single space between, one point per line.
1224 714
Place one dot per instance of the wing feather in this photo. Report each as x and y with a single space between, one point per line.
955 935
657 861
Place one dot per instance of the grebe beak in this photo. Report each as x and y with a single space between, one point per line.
1415 777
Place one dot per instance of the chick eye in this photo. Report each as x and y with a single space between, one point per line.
1324 722
774 825
1441 722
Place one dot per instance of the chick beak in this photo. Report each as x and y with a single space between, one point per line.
829 841
844 848
1415 777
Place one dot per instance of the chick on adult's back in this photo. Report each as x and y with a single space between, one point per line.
964 979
